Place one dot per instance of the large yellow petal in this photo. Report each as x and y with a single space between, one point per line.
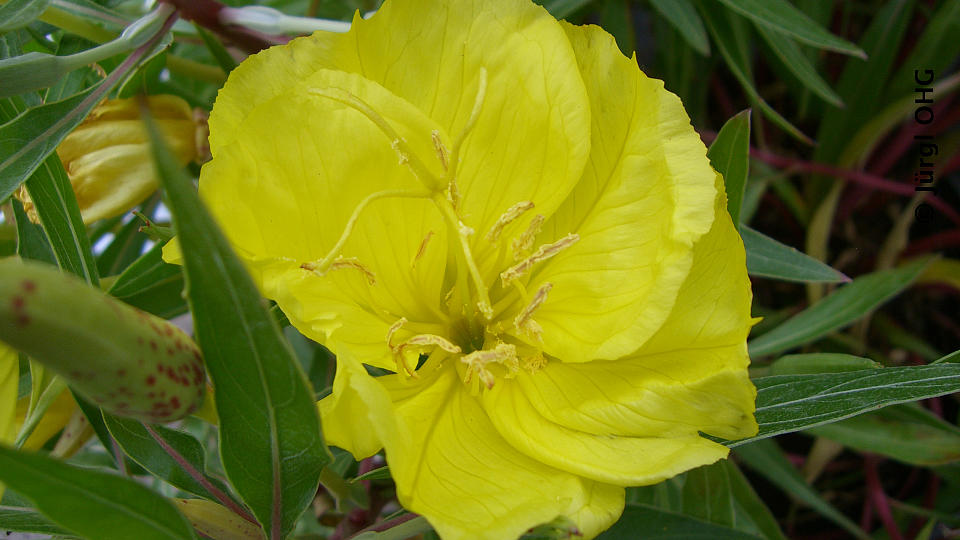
646 195
286 199
449 462
530 139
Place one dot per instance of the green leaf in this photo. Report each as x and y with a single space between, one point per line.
27 140
936 49
788 403
59 214
683 16
800 364
730 156
216 48
137 442
91 503
28 520
152 285
563 8
769 258
19 13
31 242
905 433
270 440
720 494
794 60
766 458
844 306
731 38
781 16
648 522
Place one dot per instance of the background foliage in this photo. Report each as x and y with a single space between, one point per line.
810 109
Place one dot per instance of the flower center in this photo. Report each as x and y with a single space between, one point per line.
492 330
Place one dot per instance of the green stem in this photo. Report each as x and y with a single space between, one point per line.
196 70
76 25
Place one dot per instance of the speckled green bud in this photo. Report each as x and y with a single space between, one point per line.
129 362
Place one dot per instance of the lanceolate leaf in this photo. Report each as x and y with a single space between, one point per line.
781 16
649 522
787 403
91 503
28 520
18 13
768 258
730 156
151 285
270 441
683 16
794 60
840 309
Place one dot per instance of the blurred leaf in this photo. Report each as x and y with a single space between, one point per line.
382 473
616 19
563 8
92 503
906 433
19 13
946 271
270 440
137 442
31 242
787 403
793 59
721 495
732 40
152 285
768 258
799 364
936 49
216 48
766 458
59 214
859 83
683 16
730 156
844 306
28 520
781 16
648 522
216 521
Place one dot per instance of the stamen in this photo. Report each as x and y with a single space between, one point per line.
534 363
523 320
393 330
522 244
471 121
543 253
453 194
503 353
463 232
440 148
407 156
417 344
507 218
427 340
422 249
341 262
324 264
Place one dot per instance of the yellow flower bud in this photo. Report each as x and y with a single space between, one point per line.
108 156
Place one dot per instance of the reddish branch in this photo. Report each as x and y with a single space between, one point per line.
878 497
206 13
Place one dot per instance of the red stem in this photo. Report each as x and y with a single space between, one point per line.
878 497
206 13
389 524
225 499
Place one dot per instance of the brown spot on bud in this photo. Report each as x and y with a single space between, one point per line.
23 320
17 302
28 285
151 380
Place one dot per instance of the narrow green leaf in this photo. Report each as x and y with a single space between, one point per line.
563 8
794 60
648 522
683 16
31 242
841 308
91 503
720 494
59 214
270 440
781 16
152 285
27 140
801 364
731 39
28 520
768 258
767 459
936 49
216 48
134 439
906 433
730 156
788 403
19 13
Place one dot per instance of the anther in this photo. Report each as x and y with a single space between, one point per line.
477 361
393 330
507 218
440 149
523 320
422 249
543 253
522 244
534 363
340 262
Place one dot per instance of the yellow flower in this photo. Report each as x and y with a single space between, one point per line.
504 211
107 157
